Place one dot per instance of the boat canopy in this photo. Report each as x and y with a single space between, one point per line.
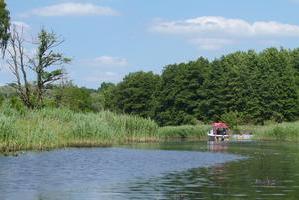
217 125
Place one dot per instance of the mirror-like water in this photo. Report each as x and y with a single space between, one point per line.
155 171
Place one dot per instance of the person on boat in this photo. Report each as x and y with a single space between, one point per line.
224 131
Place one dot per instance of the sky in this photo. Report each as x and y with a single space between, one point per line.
108 39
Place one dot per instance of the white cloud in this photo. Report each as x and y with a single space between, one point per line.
109 61
20 25
213 32
72 9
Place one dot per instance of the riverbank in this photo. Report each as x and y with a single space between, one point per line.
58 128
286 131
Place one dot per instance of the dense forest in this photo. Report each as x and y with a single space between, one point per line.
247 87
241 87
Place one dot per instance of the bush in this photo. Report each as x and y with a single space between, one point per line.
233 119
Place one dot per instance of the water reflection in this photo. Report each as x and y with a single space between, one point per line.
217 146
95 173
270 171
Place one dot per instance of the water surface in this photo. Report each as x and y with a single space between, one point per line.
155 171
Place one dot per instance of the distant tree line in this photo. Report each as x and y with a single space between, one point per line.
247 86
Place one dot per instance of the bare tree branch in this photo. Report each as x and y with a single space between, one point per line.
16 64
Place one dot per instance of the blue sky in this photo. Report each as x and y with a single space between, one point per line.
110 38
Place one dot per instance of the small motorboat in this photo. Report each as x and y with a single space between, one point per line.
219 132
242 137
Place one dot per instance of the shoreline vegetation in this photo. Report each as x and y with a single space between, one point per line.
51 128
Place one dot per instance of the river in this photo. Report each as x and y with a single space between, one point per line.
177 170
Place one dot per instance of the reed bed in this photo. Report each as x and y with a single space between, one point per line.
198 132
50 128
287 131
53 128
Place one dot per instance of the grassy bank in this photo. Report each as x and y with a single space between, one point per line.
287 131
55 128
189 132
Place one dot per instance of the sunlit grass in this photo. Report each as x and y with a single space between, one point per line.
52 128
55 128
187 131
287 131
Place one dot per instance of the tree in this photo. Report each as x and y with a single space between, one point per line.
295 64
250 77
181 92
45 59
226 86
4 25
73 97
135 94
19 62
278 96
213 104
107 98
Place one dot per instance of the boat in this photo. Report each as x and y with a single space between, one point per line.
219 132
242 137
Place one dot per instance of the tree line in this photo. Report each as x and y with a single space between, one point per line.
247 87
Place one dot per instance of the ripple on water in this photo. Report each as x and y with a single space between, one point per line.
94 172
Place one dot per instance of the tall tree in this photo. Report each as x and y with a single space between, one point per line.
181 92
47 64
72 97
250 77
277 93
214 103
4 25
17 62
136 93
107 96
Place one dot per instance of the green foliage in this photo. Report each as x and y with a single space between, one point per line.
17 104
47 64
73 97
277 94
184 132
256 87
241 87
51 128
4 25
106 96
181 92
233 119
7 127
287 131
136 94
